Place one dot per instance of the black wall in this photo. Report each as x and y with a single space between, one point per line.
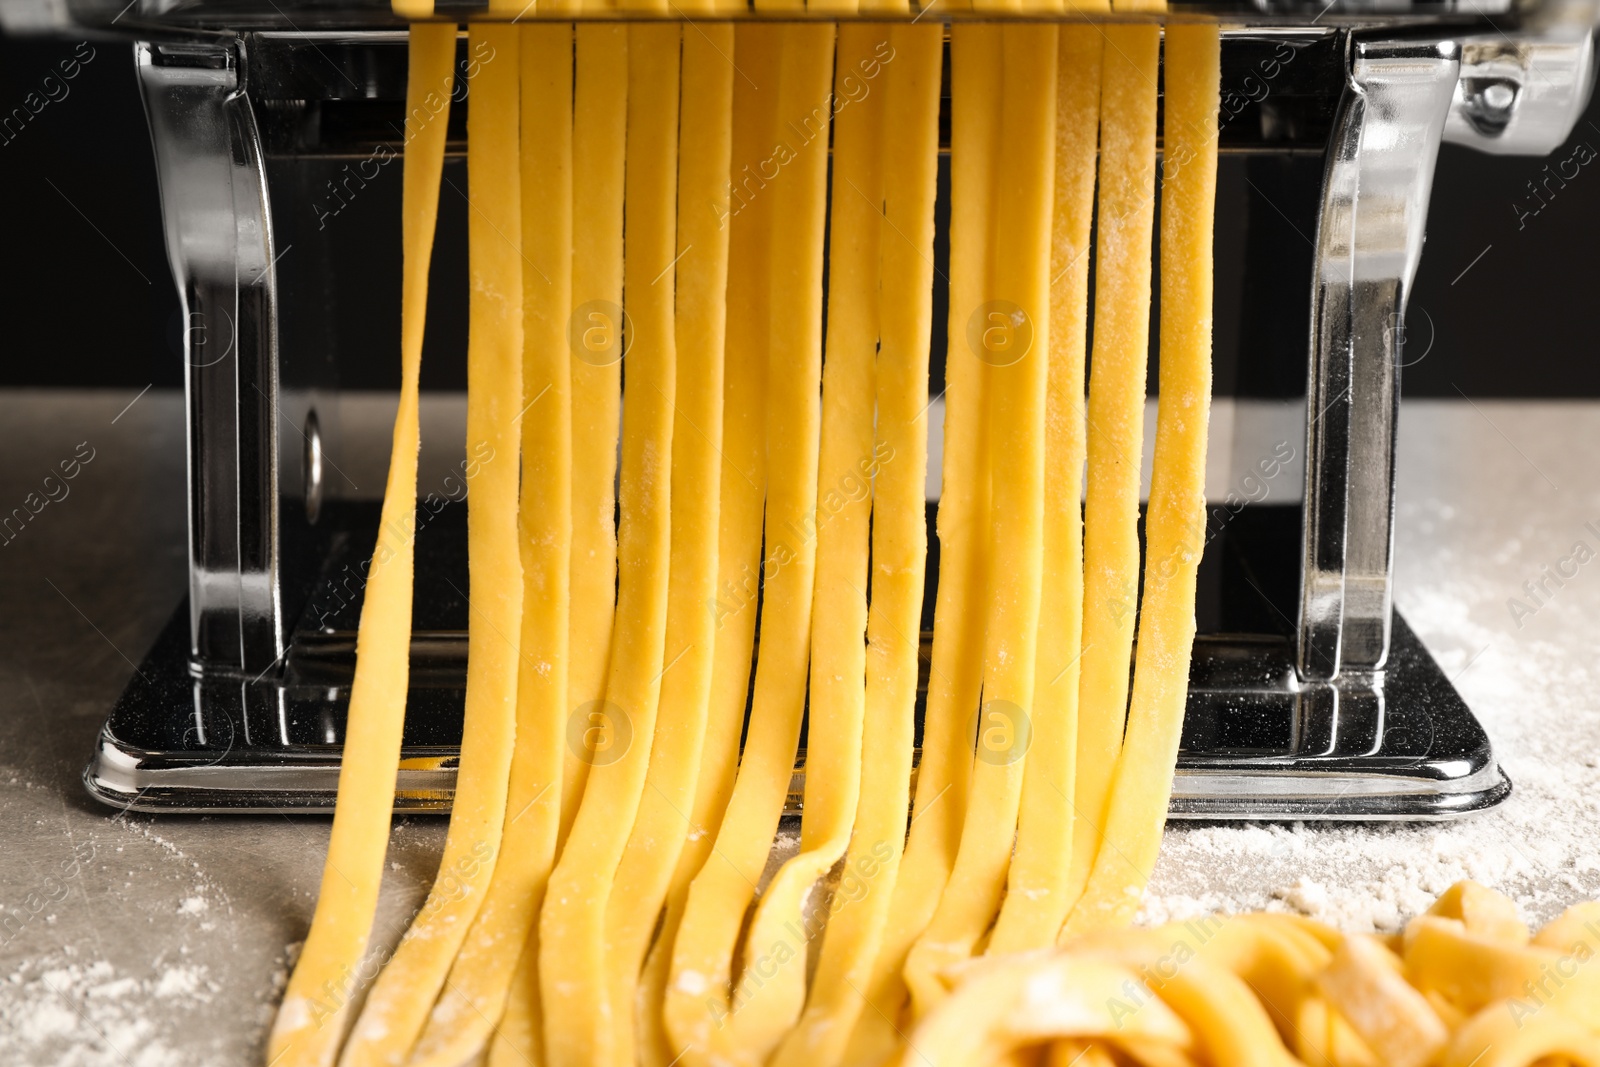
1502 305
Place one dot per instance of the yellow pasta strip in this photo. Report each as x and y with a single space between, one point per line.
1498 1037
595 340
955 676
519 1034
662 823
1175 526
1276 960
1033 998
310 1023
1036 898
1073 1054
746 212
1472 971
1367 985
843 508
475 993
398 1005
1020 266
1116 424
860 910
577 1014
650 6
1482 911
1229 1023
1575 931
698 995
599 130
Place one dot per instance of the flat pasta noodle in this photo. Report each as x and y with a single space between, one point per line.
572 976
737 430
1232 989
397 1007
860 908
746 212
595 339
1496 1037
310 1024
1036 901
1470 970
1175 525
645 873
1000 1009
836 703
700 992
1014 338
475 994
1116 425
955 671
597 336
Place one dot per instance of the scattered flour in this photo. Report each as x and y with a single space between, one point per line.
74 1015
1531 686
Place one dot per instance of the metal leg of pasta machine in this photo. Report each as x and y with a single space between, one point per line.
1342 714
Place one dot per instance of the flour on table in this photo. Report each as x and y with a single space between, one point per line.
71 1014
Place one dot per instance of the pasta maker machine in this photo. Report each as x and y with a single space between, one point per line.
1310 698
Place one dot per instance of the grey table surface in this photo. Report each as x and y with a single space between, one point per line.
149 940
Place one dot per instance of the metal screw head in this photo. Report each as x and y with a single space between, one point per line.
1498 96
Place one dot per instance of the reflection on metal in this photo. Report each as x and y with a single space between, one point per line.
219 240
311 472
1341 714
1491 92
1257 744
156 17
1369 238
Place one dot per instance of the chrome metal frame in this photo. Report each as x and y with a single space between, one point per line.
219 239
1378 732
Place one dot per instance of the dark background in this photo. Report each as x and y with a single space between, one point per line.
87 297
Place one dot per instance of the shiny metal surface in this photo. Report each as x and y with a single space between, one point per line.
1257 742
220 243
1522 96
1369 239
149 17
90 581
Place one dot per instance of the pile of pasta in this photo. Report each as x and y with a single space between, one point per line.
653 205
1463 985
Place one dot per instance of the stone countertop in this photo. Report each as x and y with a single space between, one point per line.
138 940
